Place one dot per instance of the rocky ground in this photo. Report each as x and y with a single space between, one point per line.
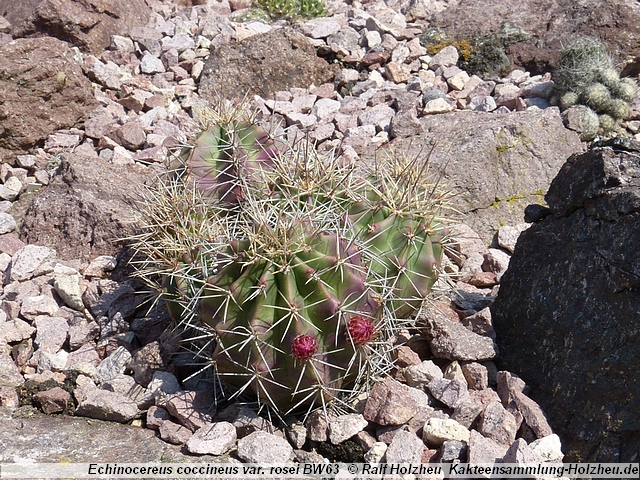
73 338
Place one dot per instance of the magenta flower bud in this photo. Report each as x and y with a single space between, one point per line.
360 329
303 347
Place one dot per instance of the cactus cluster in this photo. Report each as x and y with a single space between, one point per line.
294 272
589 79
291 9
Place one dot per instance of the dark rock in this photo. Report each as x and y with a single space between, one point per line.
568 309
501 164
86 210
87 24
534 213
286 59
43 90
550 23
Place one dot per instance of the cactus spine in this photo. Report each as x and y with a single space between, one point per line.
300 274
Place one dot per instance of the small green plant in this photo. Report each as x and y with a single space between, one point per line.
295 272
588 77
291 9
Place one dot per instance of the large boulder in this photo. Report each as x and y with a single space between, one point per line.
551 23
42 90
86 210
262 65
496 164
568 313
87 24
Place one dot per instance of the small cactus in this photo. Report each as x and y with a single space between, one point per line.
587 75
292 9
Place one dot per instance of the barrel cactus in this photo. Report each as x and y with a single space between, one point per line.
587 76
300 286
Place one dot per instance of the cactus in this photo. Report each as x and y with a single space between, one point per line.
297 290
230 151
587 75
292 9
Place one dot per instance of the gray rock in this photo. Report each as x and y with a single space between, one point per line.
345 42
113 365
376 453
465 242
28 260
508 235
15 331
214 439
317 424
9 397
127 386
480 323
145 362
7 223
160 387
100 265
44 438
151 64
82 333
106 405
498 424
532 413
109 74
155 417
466 411
262 447
320 27
325 107
476 374
288 60
68 287
180 42
496 261
548 448
452 450
346 426
389 403
85 209
520 452
9 373
449 392
51 333
87 25
37 305
438 430
30 82
193 409
485 450
455 342
406 447
586 237
174 433
447 57
297 435
521 153
379 116
471 266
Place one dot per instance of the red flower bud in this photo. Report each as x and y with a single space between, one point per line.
303 347
360 329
